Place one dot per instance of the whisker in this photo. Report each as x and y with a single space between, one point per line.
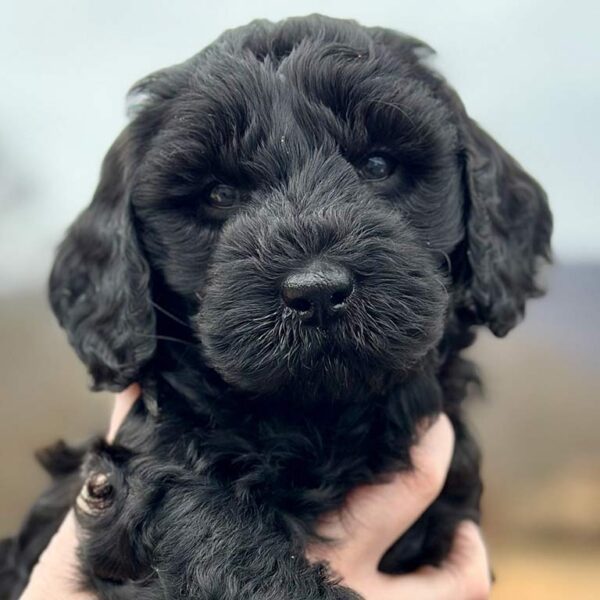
447 259
167 339
171 315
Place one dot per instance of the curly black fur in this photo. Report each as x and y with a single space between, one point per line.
253 423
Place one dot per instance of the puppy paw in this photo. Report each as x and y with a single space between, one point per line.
96 495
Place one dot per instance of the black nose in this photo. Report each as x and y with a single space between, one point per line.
319 293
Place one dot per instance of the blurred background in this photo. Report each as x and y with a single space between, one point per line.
527 70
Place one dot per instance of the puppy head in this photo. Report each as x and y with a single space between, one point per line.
319 202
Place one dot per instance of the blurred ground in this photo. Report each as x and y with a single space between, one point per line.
538 427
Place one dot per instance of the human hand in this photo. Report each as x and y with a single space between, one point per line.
55 577
375 516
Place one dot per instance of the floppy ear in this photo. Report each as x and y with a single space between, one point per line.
508 222
99 285
508 226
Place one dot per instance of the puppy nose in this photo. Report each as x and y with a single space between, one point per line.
318 293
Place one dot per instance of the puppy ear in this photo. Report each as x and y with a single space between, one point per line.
99 284
508 222
509 226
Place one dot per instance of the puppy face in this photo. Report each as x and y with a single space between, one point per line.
305 191
322 165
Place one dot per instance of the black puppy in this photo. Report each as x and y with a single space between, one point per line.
291 242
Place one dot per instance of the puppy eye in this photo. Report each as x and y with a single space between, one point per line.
377 167
223 197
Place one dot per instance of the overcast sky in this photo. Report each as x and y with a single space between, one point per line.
528 71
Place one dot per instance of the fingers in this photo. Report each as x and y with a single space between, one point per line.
375 516
56 575
468 563
465 575
123 403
